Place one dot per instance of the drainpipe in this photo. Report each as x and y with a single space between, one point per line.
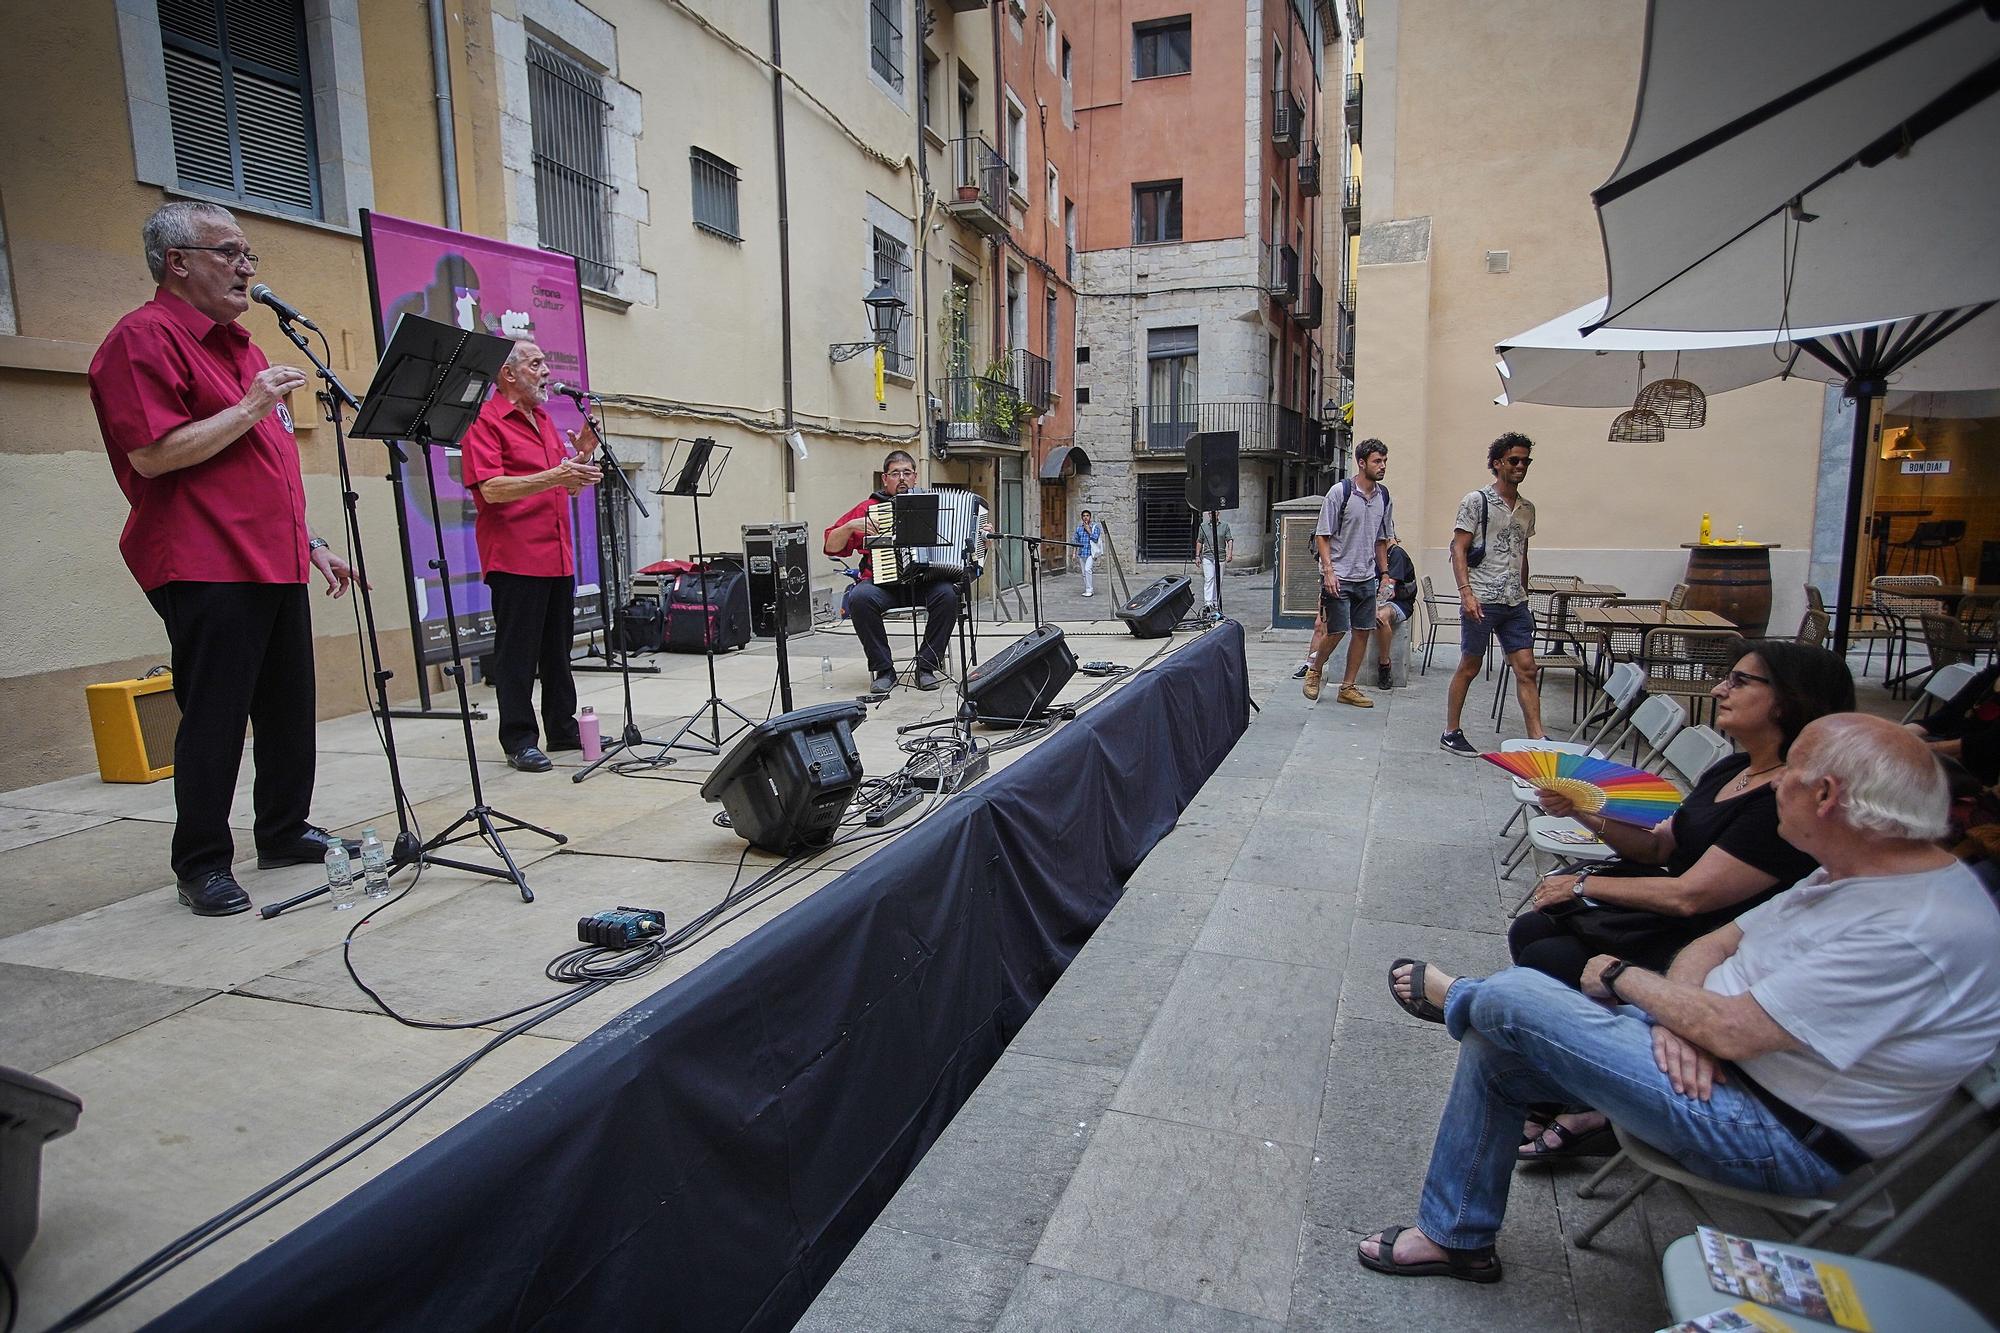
784 261
447 131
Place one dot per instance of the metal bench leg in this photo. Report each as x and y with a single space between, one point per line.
1584 1237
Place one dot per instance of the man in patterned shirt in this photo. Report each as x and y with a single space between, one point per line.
1489 558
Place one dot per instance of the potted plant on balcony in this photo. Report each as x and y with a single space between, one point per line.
968 193
1001 408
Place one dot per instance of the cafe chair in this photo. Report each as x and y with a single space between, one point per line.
1924 550
1686 662
1900 602
1442 613
1677 600
1653 723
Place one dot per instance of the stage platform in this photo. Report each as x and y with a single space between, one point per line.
213 1054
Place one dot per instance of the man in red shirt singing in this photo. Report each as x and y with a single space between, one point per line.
521 477
866 601
201 444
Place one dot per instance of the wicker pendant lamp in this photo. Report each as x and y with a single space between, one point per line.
1680 404
1637 425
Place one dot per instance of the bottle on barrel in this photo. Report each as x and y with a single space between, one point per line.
1707 531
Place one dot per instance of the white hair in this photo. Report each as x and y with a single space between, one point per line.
176 226
1889 783
518 353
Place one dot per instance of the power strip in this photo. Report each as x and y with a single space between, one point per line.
953 776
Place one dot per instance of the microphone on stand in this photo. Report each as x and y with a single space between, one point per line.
263 295
574 394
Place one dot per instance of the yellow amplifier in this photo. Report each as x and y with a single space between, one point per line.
134 723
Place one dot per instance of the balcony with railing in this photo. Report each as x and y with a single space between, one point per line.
1281 273
1288 123
1354 105
1033 379
1262 429
980 410
1350 201
1354 24
1309 164
979 186
1343 341
1311 309
1347 294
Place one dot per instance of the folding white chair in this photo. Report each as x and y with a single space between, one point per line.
1861 1202
1939 689
1657 720
1689 754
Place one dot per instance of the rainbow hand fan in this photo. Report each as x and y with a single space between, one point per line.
1597 786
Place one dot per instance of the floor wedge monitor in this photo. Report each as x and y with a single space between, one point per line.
788 782
1017 684
1156 608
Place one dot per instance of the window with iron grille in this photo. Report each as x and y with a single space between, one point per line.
1156 212
1162 46
1166 525
714 183
892 263
239 97
573 190
885 41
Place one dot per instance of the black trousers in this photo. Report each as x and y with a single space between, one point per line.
534 621
242 656
866 602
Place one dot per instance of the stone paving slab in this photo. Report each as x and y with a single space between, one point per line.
47 1016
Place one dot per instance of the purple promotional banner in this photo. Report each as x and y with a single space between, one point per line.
511 291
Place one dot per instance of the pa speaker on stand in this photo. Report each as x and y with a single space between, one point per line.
1211 470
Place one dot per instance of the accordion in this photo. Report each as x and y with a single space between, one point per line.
960 548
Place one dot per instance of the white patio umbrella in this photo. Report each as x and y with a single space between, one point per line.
1799 163
1561 364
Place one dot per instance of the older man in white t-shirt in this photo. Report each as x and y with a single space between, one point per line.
1778 1053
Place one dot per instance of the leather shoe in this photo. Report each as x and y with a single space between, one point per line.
530 760
308 849
215 894
882 682
927 679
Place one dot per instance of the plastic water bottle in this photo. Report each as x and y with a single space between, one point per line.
826 673
340 887
374 865
591 734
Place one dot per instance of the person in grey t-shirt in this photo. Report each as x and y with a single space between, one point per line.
1493 591
1351 540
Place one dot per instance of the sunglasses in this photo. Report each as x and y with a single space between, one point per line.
1736 680
1518 462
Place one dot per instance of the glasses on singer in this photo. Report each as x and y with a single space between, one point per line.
231 254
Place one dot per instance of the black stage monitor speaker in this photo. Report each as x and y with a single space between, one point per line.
1016 684
1156 608
1211 470
788 782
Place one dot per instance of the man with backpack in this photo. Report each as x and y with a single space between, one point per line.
1489 558
1356 525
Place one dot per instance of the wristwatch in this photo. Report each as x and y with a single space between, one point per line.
1576 887
317 544
1610 978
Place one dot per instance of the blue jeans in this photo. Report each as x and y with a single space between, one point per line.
1525 1037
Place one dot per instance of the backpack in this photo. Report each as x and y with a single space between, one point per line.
1347 493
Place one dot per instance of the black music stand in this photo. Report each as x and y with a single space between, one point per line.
427 390
694 469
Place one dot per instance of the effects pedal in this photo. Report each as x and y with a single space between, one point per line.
624 928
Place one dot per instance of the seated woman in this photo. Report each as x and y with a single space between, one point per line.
1717 857
1968 728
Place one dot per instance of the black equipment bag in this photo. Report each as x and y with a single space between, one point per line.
723 621
642 626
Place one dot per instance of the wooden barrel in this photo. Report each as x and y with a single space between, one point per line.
1734 582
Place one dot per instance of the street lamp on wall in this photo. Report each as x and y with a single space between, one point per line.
885 316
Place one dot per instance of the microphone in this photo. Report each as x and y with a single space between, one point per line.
263 295
571 392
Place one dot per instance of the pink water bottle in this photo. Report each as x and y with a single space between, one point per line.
593 739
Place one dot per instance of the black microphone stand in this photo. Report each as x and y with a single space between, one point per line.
333 399
630 737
